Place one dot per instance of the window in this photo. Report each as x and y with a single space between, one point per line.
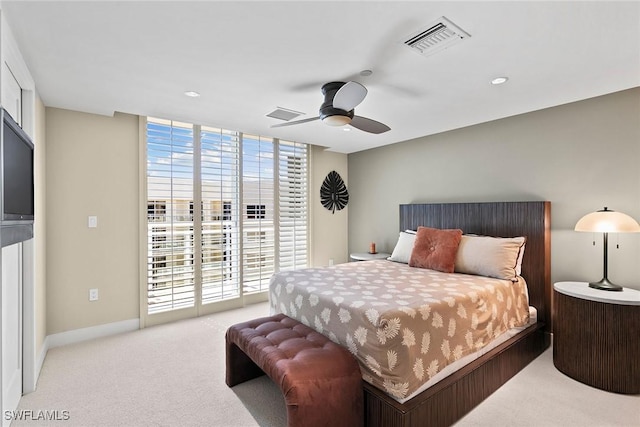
171 270
258 198
156 211
224 211
292 198
220 231
256 212
219 210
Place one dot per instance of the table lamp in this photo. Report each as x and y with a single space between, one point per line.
607 221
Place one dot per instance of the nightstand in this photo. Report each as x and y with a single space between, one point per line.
366 256
596 336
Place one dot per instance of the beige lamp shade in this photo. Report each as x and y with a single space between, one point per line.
607 221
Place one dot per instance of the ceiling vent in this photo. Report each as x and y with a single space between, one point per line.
284 114
436 37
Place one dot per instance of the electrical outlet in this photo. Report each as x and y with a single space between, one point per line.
330 261
93 294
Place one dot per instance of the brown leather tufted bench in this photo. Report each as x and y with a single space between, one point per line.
321 381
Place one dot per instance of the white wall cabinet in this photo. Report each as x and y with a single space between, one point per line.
17 342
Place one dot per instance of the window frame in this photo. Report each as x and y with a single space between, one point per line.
223 212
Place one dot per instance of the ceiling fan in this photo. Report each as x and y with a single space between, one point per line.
340 99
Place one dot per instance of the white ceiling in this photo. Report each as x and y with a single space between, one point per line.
247 58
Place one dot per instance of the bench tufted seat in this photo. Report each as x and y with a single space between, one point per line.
321 381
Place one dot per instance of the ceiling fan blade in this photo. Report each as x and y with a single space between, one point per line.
368 125
297 122
349 96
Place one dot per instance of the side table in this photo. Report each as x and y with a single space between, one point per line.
596 336
367 256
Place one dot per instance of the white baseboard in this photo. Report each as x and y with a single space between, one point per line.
85 334
40 361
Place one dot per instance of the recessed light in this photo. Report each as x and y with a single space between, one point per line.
366 73
192 94
499 80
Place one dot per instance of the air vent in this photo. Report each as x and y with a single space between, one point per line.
436 37
284 114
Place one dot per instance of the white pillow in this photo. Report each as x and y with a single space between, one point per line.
490 256
404 247
519 261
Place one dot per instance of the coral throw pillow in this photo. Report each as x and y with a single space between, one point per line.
435 249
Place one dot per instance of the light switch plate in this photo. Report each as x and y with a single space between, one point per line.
93 222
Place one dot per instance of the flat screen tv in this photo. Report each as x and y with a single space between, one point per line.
17 172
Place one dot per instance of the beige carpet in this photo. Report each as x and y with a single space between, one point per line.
173 375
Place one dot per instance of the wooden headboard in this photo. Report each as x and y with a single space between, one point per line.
501 219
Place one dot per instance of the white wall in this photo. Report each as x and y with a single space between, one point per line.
580 156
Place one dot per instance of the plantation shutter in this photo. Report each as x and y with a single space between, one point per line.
258 248
170 240
293 219
224 212
220 183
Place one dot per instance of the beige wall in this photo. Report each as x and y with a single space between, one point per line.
39 227
328 230
92 169
580 156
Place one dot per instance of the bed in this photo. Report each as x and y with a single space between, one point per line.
329 299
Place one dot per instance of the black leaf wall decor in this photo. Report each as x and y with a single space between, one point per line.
333 193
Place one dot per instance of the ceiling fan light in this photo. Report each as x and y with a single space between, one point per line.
337 120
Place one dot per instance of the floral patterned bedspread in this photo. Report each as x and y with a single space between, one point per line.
403 324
